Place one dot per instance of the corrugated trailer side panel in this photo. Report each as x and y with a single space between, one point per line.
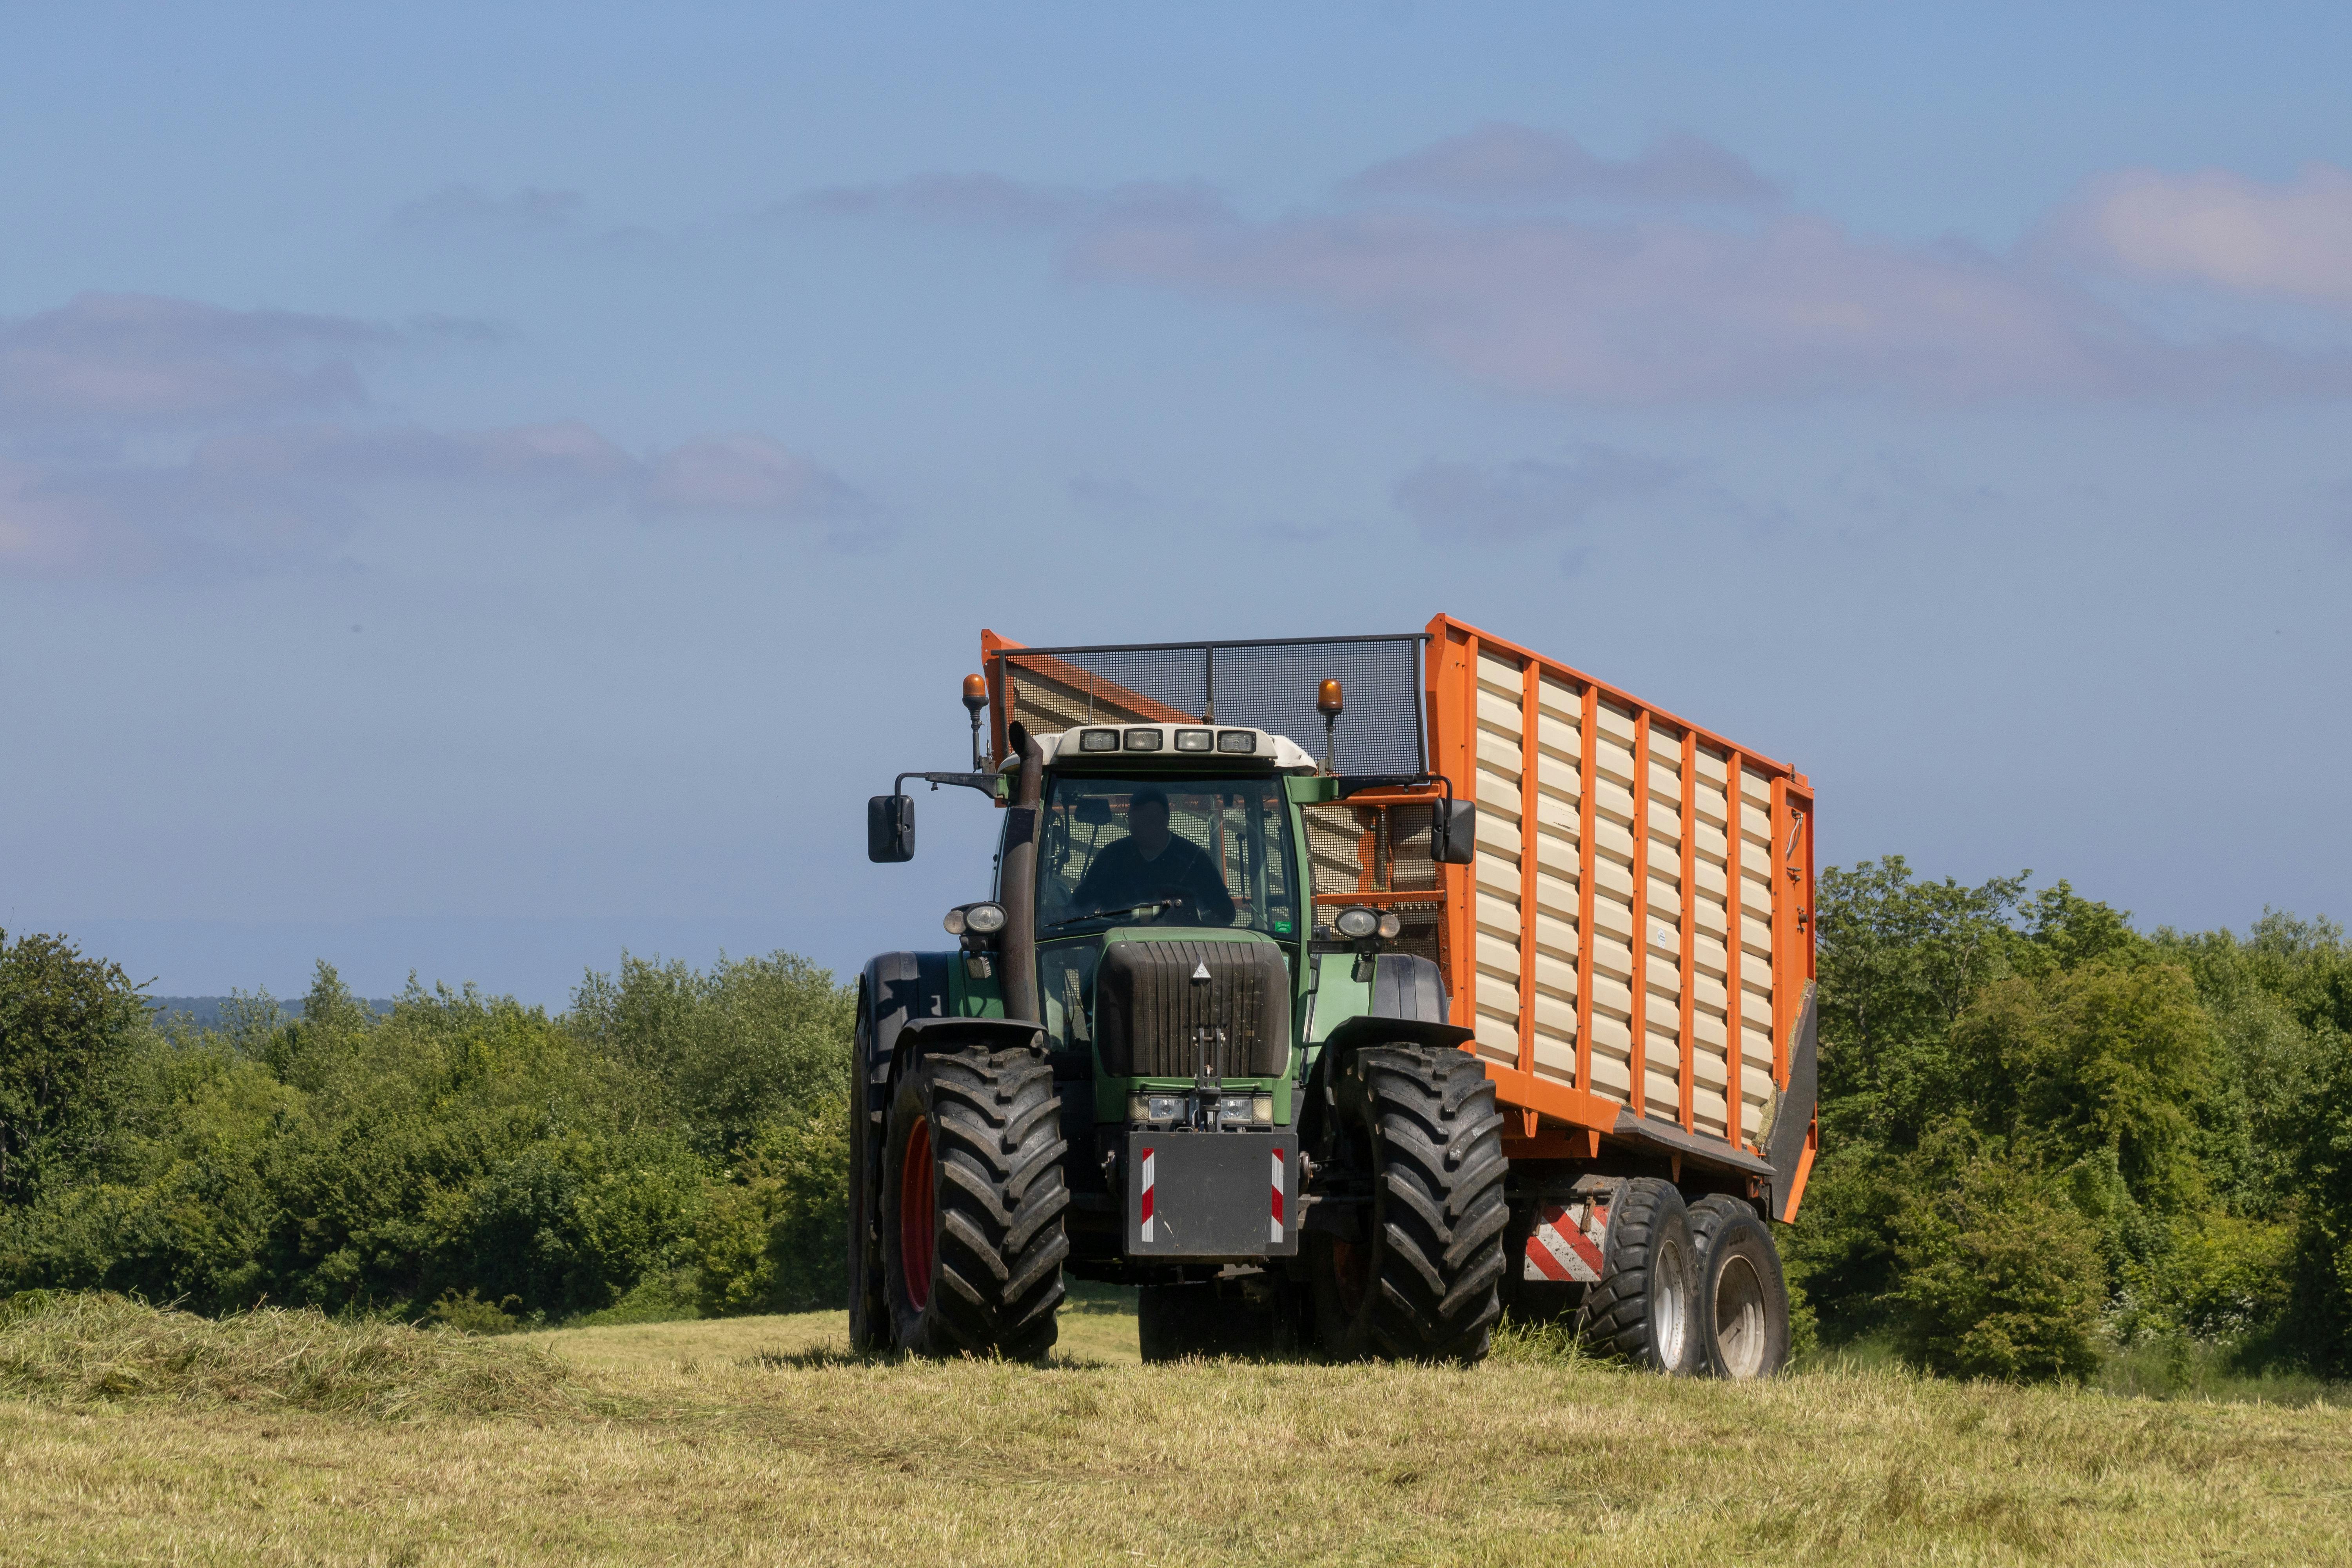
1634 933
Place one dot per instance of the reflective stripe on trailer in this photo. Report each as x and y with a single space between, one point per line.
1568 1243
1274 1230
1146 1227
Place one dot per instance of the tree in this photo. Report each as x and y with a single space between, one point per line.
67 1024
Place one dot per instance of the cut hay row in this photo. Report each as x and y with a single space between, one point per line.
77 1348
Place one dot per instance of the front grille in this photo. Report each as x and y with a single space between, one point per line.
1156 1021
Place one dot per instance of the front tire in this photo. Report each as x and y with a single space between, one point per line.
1742 1297
1422 1283
972 1199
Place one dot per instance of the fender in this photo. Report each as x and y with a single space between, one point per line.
919 1038
895 989
1409 1005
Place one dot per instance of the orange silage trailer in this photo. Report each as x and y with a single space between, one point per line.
1632 946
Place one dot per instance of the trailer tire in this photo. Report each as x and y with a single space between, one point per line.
972 1200
1418 1127
1642 1308
1743 1298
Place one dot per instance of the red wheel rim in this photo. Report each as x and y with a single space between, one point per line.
916 1210
1352 1275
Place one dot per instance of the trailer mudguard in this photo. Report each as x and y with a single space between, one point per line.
1789 1139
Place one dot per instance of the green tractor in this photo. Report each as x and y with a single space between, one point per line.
1150 1059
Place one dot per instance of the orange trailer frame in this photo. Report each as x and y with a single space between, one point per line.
1572 1120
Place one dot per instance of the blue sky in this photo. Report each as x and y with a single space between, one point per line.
483 487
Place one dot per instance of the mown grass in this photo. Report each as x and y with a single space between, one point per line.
761 1440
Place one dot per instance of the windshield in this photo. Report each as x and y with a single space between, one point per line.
1174 851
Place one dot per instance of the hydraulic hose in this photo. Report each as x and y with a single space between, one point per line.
1017 886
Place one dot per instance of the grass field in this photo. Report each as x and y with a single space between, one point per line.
128 1435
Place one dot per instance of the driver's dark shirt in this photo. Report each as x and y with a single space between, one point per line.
1121 876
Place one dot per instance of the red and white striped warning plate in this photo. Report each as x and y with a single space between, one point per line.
1273 1230
1568 1243
1148 1176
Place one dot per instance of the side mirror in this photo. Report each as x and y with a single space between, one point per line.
1453 833
890 828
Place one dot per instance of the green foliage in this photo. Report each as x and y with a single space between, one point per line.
464 1158
754 1039
2001 1276
67 1024
2180 1096
775 1237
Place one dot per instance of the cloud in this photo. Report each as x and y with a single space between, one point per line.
1521 262
1651 311
141 436
1527 499
746 475
293 495
135 359
1512 165
2292 241
466 209
991 200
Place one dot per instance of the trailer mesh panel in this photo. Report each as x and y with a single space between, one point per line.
1268 686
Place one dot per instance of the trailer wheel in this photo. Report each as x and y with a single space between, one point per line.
1418 1128
1743 1299
972 1198
869 1317
1642 1305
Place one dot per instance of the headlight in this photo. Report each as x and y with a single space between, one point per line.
1242 740
1357 923
1233 1107
986 920
1261 1107
1390 925
1144 739
1155 1107
955 921
1098 740
1193 739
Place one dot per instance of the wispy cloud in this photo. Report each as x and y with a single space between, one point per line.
749 476
469 209
1521 261
141 436
2291 240
1507 502
1513 165
138 359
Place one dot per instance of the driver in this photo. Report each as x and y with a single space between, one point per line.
1152 863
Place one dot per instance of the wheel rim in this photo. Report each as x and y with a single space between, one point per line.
1669 1287
916 1214
1740 1319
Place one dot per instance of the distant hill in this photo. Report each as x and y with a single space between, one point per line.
205 1011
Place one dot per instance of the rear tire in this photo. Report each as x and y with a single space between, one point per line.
1419 1121
1742 1297
1642 1308
869 1316
972 1198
